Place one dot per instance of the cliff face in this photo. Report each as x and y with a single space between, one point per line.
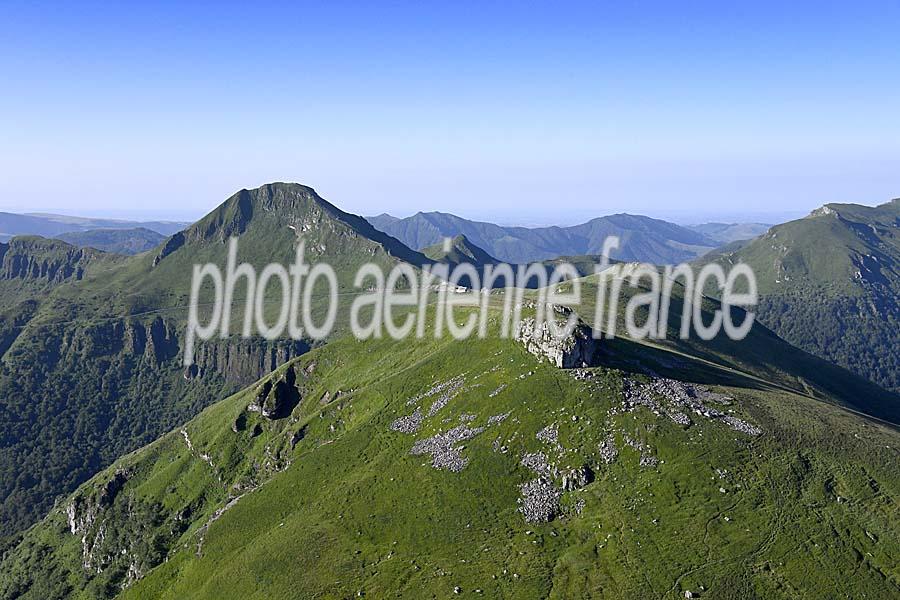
241 362
78 395
50 261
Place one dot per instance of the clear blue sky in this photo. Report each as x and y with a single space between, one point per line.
534 113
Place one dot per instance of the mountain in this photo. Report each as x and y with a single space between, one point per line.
428 467
459 250
92 342
437 467
120 241
830 283
642 238
382 220
50 225
725 233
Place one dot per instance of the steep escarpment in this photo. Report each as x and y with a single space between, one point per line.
76 396
37 258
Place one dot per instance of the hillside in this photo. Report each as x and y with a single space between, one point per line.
119 241
642 238
830 284
434 467
91 364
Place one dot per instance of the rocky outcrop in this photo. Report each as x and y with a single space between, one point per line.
277 398
576 479
171 245
122 537
82 511
50 261
83 514
578 349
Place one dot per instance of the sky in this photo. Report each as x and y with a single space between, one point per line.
525 113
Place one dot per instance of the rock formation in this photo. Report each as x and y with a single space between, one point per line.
578 349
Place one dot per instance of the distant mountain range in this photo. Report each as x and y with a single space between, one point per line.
642 238
51 225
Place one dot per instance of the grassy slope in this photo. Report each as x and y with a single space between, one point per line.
810 508
829 284
761 360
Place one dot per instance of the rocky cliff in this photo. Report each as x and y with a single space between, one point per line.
578 349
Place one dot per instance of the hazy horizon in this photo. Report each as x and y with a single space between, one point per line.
572 217
532 220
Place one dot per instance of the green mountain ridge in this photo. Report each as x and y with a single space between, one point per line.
421 468
829 284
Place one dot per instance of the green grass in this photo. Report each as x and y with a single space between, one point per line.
354 511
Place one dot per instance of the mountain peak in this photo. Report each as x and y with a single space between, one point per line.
823 211
276 215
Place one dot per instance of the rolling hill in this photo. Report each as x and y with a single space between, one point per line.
50 225
726 233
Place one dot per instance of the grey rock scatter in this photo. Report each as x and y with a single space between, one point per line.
608 451
444 448
499 389
410 423
494 419
550 436
538 462
539 502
